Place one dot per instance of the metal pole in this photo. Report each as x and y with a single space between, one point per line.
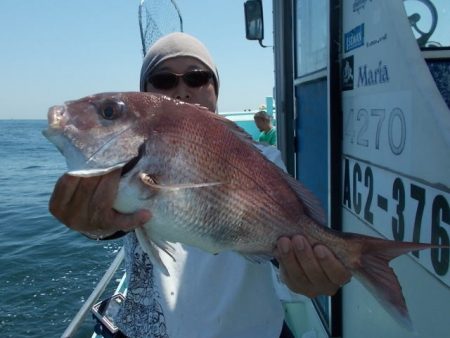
80 316
141 28
179 14
284 81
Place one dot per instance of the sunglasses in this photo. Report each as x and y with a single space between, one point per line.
168 80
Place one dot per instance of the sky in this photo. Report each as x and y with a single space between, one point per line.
441 33
53 51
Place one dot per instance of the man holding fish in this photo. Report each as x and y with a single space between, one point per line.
201 295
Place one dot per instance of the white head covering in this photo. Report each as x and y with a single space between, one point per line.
175 45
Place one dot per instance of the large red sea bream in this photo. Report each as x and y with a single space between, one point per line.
207 185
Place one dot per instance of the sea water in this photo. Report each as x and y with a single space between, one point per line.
47 271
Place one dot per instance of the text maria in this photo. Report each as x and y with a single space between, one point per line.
372 77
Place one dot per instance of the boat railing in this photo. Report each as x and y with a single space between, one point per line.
96 293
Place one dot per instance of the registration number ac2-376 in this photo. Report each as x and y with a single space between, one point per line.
401 208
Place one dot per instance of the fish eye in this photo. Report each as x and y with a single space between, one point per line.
111 110
108 112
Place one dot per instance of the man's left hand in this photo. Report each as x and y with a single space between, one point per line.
311 271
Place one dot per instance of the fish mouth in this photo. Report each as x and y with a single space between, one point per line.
55 124
48 133
55 117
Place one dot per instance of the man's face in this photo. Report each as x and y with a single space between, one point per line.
261 124
204 95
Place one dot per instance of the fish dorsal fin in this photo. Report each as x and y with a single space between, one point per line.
237 130
312 205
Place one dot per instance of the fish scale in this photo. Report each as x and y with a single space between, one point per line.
262 218
203 150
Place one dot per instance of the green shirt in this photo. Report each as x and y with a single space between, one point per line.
269 137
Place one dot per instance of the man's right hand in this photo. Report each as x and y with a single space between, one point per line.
86 205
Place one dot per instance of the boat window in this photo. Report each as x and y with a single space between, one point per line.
430 22
311 60
311 38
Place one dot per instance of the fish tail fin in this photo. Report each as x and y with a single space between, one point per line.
379 278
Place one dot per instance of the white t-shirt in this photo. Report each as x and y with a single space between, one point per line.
206 295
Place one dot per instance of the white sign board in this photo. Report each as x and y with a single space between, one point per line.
396 137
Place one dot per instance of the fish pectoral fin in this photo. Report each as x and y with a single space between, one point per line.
152 247
151 182
166 247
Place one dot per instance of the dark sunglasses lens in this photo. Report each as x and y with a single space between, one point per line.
197 78
163 80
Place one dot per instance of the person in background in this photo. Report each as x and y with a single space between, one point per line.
206 295
268 132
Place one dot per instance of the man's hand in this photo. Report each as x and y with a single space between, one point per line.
85 205
309 271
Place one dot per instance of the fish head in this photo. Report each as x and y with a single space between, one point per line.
98 133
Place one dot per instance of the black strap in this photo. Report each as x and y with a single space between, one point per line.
105 333
286 331
115 235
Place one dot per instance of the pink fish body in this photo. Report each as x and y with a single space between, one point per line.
207 185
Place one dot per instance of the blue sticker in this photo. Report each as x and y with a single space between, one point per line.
354 39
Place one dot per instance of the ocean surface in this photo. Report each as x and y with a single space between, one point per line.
47 271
